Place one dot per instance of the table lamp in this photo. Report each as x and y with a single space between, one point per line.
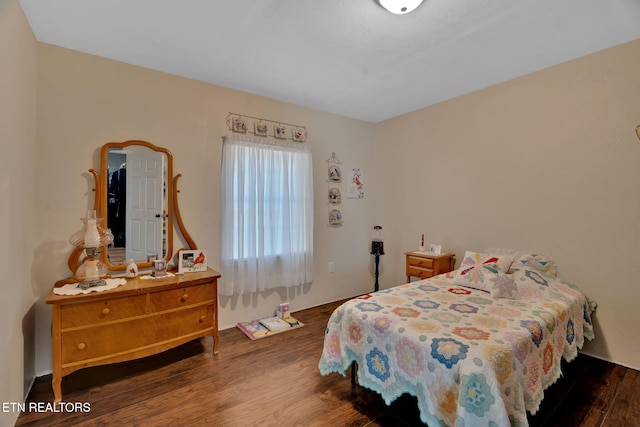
92 238
377 249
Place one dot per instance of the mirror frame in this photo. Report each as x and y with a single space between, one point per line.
103 194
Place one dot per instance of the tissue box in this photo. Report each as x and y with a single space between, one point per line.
283 310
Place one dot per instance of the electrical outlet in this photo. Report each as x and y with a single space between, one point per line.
331 267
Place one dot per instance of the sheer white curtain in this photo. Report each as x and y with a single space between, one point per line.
267 214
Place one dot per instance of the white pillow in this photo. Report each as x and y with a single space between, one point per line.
540 262
533 259
478 269
504 287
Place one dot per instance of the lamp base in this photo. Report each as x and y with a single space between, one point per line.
90 283
377 247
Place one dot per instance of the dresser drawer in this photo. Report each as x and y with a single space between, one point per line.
176 298
75 315
420 262
128 335
419 272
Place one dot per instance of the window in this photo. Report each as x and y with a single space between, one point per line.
267 214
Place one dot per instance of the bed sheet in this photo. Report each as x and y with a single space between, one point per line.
469 358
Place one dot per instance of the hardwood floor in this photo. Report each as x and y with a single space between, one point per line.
275 382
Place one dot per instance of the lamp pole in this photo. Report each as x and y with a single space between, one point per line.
376 286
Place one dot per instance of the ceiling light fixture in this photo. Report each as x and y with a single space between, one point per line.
400 7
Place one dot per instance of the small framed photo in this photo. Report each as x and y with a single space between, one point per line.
280 132
261 129
239 125
159 268
190 261
435 249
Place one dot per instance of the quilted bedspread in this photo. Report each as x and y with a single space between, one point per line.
470 359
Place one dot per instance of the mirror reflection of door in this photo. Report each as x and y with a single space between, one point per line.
144 205
116 205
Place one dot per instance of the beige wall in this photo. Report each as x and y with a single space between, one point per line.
85 101
548 161
17 209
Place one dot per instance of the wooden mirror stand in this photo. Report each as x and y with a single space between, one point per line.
100 203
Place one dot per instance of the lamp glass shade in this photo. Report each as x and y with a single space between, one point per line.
92 235
377 245
400 7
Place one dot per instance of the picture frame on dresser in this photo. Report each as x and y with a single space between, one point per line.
190 261
159 268
435 249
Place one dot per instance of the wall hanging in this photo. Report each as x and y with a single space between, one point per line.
241 123
355 186
334 191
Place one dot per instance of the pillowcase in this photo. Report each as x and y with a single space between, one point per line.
540 262
477 270
504 287
527 258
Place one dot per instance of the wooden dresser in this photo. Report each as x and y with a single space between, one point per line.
138 319
425 264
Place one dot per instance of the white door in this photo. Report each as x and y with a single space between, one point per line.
144 205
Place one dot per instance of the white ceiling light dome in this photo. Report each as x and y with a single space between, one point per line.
400 7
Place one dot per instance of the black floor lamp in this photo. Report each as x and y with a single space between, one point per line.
377 249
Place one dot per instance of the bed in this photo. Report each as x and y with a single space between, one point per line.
477 346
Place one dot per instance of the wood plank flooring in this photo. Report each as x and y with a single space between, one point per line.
275 382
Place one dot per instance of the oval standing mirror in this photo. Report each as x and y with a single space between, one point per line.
136 202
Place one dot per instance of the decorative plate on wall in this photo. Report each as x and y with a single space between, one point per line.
335 174
335 197
335 217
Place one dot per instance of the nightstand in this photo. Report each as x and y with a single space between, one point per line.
426 264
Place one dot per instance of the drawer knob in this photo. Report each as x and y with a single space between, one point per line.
202 318
184 297
81 346
106 311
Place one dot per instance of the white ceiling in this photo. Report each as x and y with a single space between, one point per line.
348 57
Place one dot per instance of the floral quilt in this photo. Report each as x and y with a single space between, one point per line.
470 359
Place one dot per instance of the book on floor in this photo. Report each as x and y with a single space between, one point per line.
291 321
256 330
274 323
